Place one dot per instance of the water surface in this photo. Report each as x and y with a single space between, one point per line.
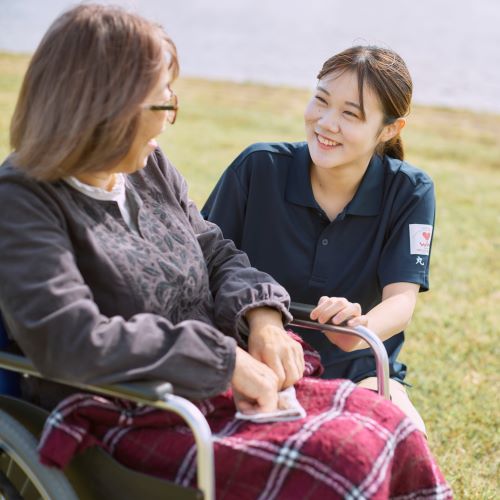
452 48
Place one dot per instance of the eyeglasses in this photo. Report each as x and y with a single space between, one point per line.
172 107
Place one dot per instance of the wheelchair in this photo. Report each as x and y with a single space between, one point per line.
94 474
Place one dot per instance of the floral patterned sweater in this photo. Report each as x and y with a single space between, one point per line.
89 300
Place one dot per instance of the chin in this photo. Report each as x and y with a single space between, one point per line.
135 166
142 161
323 160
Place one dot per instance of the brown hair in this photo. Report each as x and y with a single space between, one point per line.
387 75
79 104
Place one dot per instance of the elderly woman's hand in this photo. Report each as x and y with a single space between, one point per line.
255 386
269 343
338 310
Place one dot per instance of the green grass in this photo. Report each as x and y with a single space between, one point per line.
452 347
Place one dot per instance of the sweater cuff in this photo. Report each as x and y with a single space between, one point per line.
241 323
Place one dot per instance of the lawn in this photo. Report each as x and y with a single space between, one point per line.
452 347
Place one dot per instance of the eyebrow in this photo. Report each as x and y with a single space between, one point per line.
319 87
349 103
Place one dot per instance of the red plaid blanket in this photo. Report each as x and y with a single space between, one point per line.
352 444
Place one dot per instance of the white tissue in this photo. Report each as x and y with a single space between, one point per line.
291 409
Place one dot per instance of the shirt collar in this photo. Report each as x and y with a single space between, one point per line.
367 200
298 183
117 192
368 197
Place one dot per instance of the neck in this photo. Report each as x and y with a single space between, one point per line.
334 188
338 182
103 180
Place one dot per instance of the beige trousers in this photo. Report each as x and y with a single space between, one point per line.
399 397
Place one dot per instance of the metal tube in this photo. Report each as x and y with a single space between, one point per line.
203 437
376 345
166 401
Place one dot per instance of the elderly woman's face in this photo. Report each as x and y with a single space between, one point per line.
151 124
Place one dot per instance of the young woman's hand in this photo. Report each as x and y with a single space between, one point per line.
269 343
255 386
338 310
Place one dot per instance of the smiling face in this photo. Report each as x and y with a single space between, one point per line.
337 133
151 124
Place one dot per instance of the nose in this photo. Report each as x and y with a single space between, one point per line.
329 121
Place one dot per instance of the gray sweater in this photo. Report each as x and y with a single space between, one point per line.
88 300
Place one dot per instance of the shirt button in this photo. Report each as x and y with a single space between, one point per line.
324 242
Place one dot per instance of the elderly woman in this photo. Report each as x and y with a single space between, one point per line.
108 273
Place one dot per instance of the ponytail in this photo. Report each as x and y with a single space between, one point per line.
394 148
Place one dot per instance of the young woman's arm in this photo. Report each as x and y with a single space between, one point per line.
394 313
391 316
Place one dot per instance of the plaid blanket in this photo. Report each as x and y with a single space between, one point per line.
352 444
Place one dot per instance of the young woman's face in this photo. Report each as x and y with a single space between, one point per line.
336 133
151 124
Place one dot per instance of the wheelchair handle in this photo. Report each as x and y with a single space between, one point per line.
301 317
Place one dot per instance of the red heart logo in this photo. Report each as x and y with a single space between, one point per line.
426 235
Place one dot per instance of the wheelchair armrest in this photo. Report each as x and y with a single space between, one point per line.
153 393
142 391
151 390
301 318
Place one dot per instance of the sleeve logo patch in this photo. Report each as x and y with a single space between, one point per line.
420 239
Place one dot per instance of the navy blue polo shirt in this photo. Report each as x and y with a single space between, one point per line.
264 202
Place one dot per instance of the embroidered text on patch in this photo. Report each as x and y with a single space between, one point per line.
420 239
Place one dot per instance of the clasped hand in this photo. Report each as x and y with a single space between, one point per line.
274 362
338 310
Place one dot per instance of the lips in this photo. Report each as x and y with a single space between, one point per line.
325 142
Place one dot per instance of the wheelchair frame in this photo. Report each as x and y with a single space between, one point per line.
160 395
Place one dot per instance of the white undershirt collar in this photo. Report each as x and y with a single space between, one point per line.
118 194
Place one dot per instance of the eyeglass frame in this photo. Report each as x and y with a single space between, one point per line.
172 106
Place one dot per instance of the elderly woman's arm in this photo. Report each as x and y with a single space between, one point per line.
236 286
52 315
249 304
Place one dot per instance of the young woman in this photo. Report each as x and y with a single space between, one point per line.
108 273
341 220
